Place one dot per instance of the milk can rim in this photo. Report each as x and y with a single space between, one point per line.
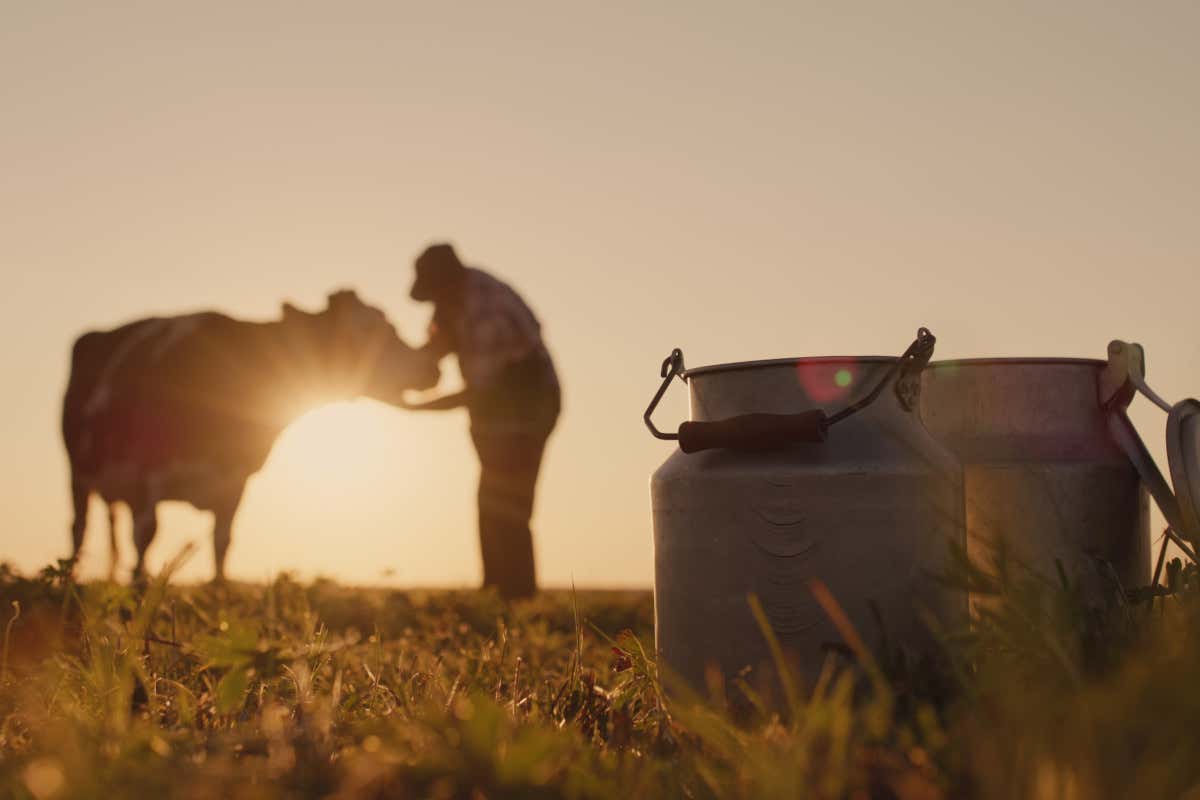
734 366
1017 361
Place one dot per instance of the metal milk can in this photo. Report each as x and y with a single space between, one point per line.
1045 477
769 491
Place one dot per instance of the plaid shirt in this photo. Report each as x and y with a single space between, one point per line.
494 330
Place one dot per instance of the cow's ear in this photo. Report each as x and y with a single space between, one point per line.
290 312
343 298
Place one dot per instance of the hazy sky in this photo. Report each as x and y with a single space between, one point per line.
742 180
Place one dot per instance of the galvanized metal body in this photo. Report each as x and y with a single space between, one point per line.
869 512
1043 473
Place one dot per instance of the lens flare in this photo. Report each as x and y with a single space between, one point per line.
827 382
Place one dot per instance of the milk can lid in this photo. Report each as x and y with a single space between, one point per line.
1183 456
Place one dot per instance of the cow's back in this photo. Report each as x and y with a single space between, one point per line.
168 389
92 359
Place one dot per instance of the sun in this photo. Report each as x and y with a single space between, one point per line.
335 448
365 492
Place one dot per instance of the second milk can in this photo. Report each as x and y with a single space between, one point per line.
1044 475
792 471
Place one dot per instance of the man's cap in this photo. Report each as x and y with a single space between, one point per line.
436 267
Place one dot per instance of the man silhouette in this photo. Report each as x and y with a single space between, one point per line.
511 394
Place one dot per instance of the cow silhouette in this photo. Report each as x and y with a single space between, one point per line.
187 408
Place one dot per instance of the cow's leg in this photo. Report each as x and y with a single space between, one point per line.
223 515
114 552
145 525
79 498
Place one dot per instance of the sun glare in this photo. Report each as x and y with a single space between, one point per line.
331 447
367 493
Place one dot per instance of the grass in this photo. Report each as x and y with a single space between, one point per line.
293 690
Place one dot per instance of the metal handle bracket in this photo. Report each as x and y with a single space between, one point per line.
672 367
906 371
1125 375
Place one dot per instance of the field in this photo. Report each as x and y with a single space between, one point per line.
287 689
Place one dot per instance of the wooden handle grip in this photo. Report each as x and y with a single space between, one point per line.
753 432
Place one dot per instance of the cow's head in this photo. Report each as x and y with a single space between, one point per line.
352 350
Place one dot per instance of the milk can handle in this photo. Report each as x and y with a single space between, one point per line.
754 431
672 367
744 432
1122 378
772 431
906 372
1121 427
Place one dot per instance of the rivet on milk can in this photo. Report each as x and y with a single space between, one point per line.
767 493
1048 482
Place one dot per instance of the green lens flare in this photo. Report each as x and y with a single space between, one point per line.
843 378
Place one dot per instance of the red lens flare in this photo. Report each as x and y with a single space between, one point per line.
826 382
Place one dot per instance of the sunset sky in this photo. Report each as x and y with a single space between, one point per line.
740 180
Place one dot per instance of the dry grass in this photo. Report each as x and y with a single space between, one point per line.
319 690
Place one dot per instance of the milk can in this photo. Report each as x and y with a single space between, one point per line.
1044 477
793 470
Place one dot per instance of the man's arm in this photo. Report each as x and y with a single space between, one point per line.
439 344
446 402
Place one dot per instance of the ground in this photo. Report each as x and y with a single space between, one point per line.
313 690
